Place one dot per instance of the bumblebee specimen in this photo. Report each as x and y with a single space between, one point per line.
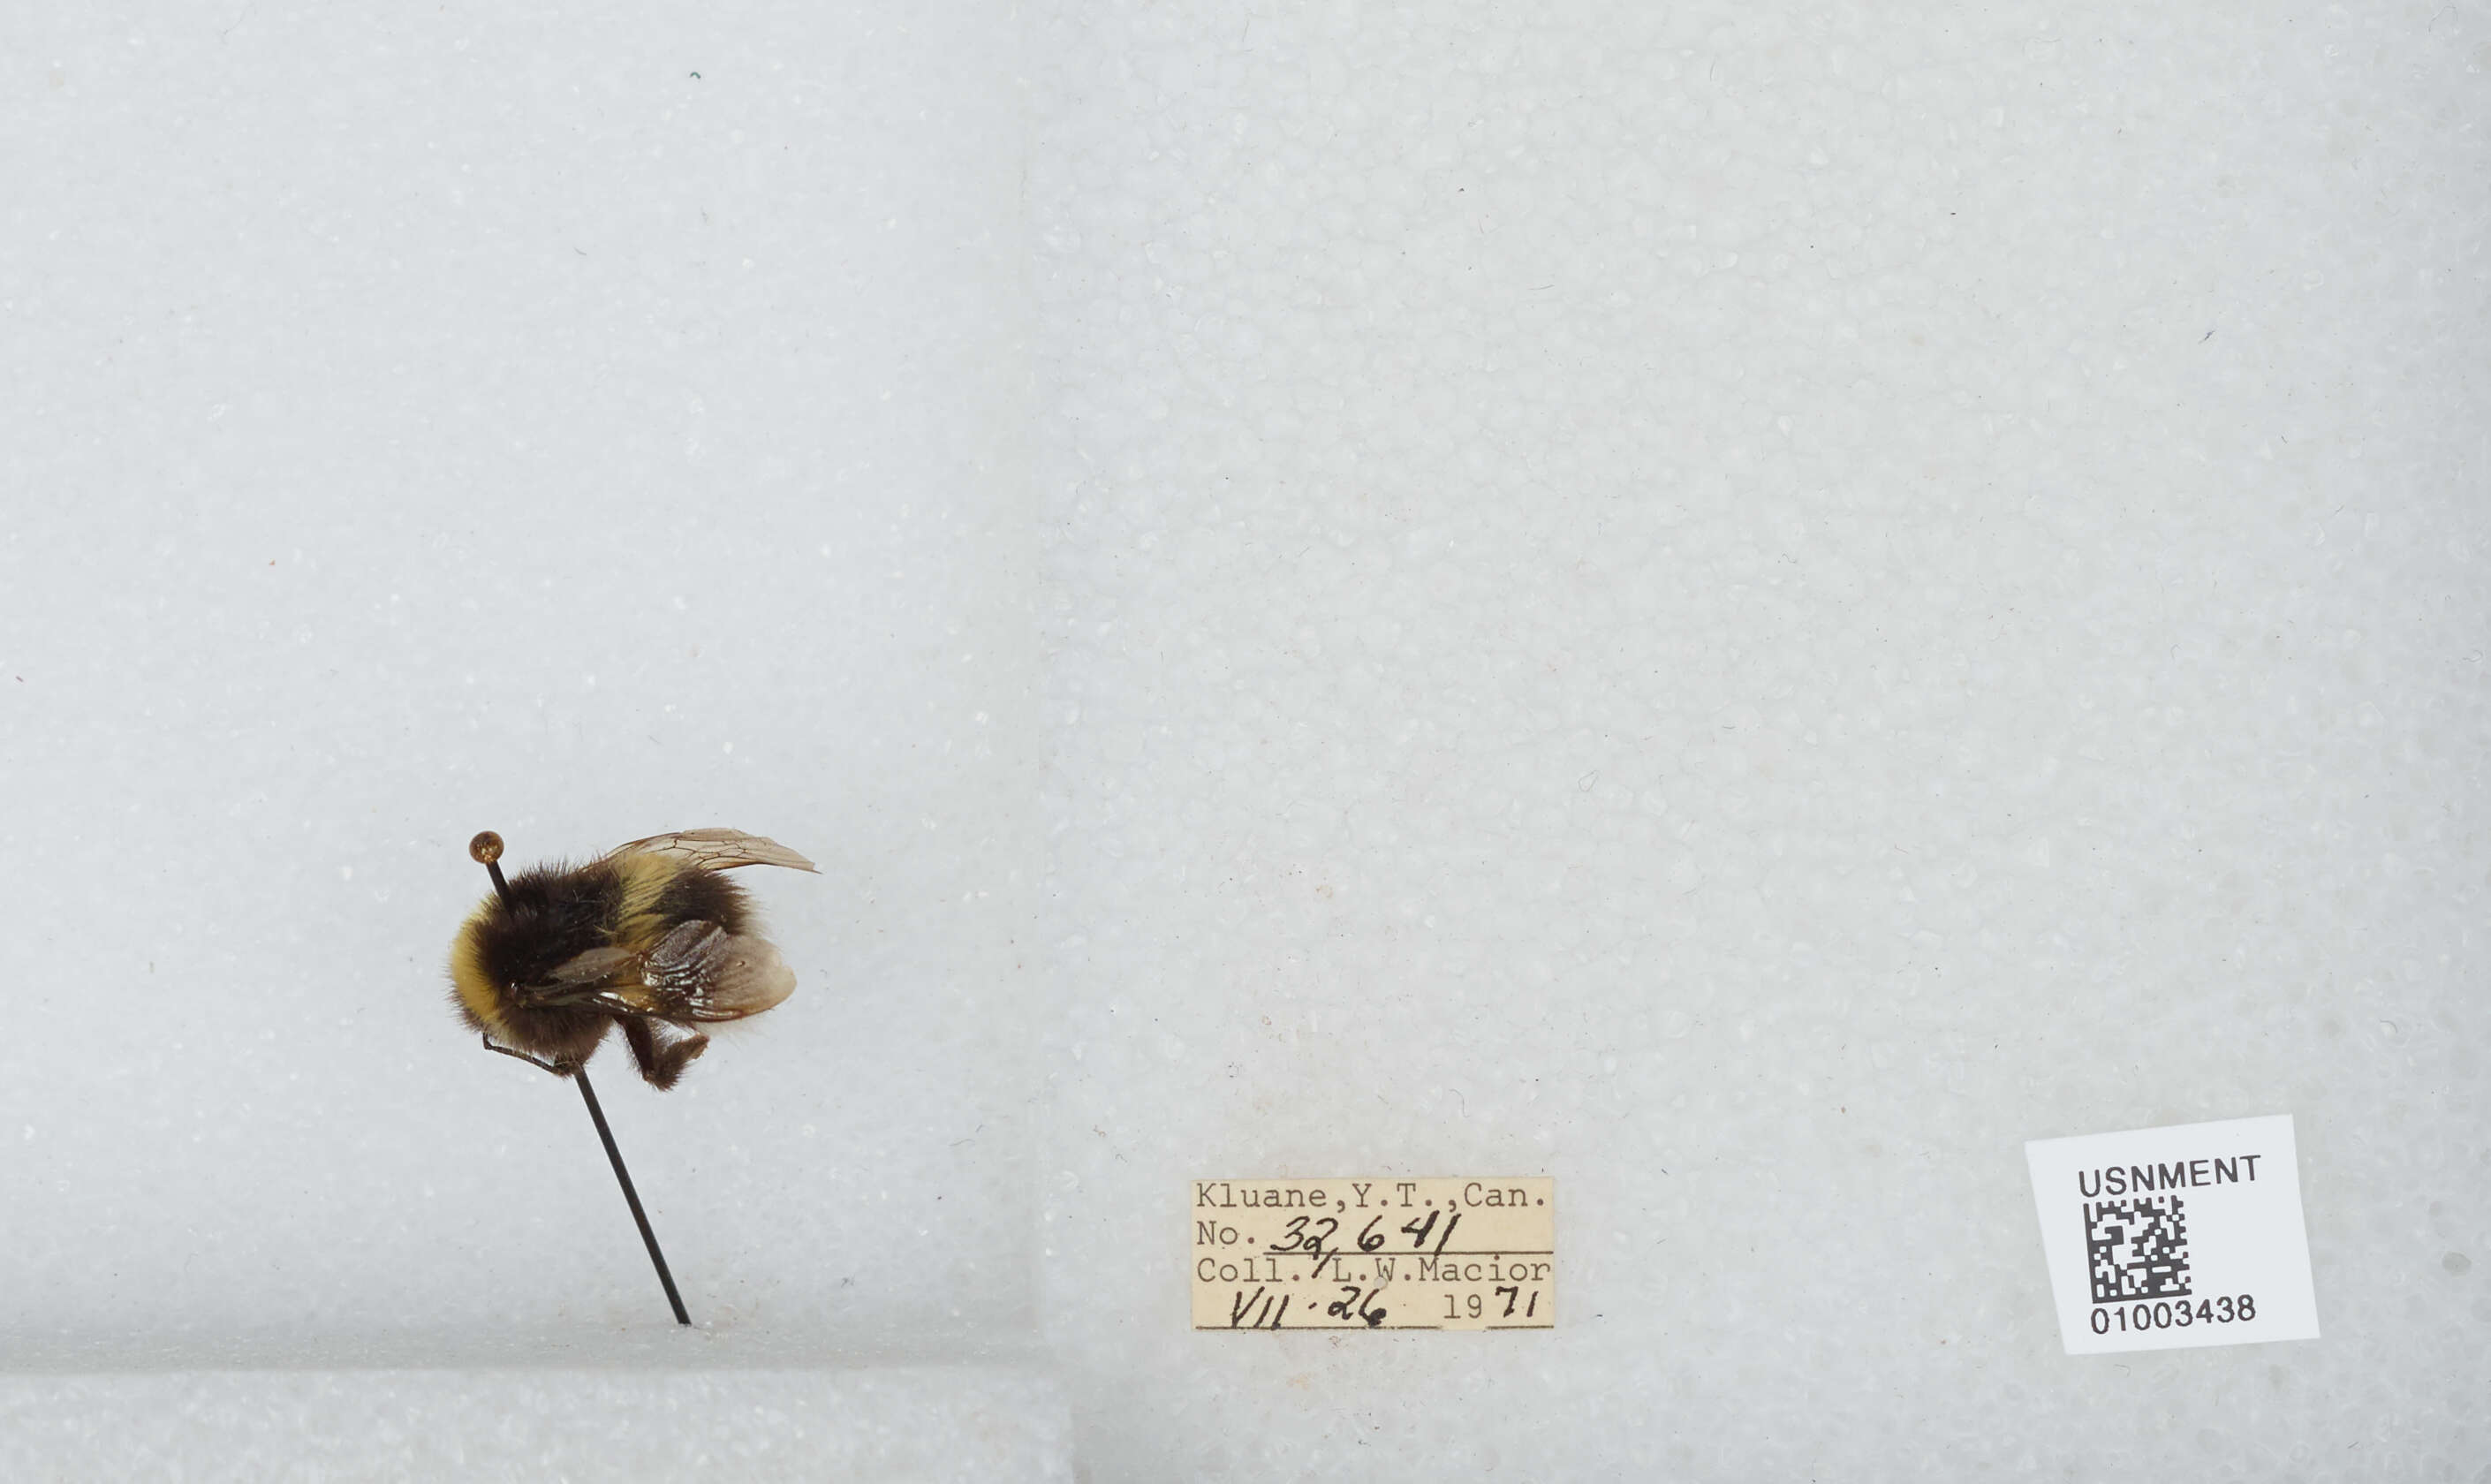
647 936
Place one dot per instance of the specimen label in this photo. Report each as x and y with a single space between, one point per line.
1376 1252
2160 1238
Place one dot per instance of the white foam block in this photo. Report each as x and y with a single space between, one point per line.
576 426
1748 606
894 1425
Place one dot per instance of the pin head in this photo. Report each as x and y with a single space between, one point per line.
487 848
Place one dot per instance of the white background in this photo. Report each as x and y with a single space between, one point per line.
1746 607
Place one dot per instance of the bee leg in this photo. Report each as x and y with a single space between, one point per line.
660 1065
643 1042
681 1054
558 1069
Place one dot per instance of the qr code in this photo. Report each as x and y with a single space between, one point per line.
2137 1248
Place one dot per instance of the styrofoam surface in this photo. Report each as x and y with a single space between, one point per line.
904 1426
1746 606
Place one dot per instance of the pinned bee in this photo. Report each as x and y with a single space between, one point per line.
648 936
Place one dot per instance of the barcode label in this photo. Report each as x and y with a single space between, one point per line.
2164 1237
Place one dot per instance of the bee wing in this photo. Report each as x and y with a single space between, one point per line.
715 850
583 978
700 972
593 969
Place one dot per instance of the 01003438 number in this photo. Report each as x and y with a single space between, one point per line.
2164 1314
